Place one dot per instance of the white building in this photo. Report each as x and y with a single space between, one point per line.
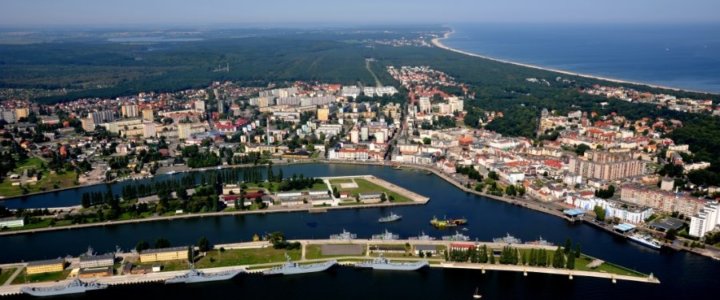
12 222
705 221
613 209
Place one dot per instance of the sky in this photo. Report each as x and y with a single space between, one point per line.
18 13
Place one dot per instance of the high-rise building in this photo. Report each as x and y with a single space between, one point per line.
88 124
606 165
102 116
147 114
220 106
323 114
200 105
706 220
149 130
129 110
22 112
7 115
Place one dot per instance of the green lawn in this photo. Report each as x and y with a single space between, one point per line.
582 262
365 186
48 181
235 257
273 186
44 277
5 274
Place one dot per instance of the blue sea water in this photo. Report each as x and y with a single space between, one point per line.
683 56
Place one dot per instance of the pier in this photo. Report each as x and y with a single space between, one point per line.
438 261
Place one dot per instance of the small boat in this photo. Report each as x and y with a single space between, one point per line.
391 218
440 224
477 295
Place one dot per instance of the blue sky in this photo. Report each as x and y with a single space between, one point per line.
118 12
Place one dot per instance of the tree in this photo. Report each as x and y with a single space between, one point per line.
204 245
599 213
580 149
427 141
571 261
162 243
568 245
510 190
558 258
492 258
671 234
493 175
142 245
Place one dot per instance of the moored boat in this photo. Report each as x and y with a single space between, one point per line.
422 237
345 235
382 263
507 239
645 240
459 237
387 235
292 268
76 286
195 276
390 218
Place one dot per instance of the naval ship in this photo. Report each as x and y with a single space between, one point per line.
422 237
292 268
345 235
387 236
382 263
391 218
457 237
508 239
195 276
73 287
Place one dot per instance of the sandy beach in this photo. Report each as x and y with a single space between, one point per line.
438 43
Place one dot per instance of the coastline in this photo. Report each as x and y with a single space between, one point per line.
437 42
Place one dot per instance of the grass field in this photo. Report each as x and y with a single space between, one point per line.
5 274
48 181
273 186
55 276
365 186
582 262
217 258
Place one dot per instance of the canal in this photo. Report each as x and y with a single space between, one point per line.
682 275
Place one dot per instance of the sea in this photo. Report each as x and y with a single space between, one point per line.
682 275
685 56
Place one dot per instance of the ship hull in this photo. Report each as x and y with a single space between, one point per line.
393 267
645 243
302 269
208 278
69 291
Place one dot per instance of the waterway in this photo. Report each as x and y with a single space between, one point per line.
682 275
